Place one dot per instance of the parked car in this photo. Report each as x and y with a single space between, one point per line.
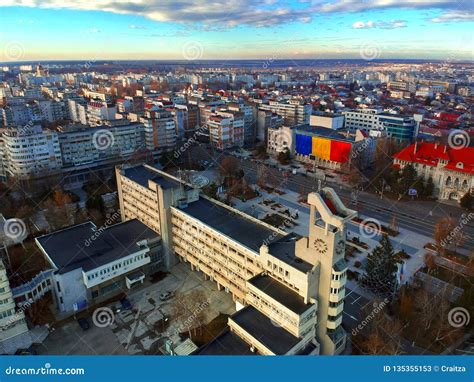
29 351
84 323
126 304
166 296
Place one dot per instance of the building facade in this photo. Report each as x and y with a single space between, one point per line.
288 289
451 169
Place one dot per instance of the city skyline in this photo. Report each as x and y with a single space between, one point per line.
192 30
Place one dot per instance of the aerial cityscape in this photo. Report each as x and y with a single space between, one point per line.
242 178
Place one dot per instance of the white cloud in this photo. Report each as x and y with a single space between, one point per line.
229 13
393 24
454 16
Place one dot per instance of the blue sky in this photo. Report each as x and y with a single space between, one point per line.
265 29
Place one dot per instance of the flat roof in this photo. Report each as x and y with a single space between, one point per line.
243 230
259 326
227 343
87 247
141 175
280 293
322 132
284 249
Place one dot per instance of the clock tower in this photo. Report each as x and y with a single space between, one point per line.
326 248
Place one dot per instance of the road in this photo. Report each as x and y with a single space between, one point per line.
416 216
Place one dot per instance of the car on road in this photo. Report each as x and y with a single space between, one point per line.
126 304
84 323
166 296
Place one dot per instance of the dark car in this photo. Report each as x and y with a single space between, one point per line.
126 304
166 296
84 323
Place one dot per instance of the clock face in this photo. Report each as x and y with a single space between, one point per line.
320 246
340 246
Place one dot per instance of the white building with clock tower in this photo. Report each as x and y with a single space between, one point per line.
288 289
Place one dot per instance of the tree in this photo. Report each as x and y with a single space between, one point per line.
229 167
467 201
381 271
284 157
447 234
408 179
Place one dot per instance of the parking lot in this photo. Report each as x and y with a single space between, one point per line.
145 328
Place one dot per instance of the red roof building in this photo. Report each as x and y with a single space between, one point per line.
450 167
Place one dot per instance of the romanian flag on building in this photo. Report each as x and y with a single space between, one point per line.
321 148
340 151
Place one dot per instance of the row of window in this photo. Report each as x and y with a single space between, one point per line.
115 267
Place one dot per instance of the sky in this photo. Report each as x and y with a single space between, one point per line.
39 30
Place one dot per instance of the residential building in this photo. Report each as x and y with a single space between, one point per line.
160 130
293 111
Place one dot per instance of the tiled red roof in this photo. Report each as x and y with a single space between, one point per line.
431 153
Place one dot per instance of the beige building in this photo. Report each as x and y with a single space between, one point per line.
288 289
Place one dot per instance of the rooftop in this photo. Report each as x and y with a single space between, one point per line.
280 293
283 248
322 132
141 175
68 248
227 343
245 231
259 326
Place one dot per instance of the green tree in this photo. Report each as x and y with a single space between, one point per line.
467 201
381 270
408 179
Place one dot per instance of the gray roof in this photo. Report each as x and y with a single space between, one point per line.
280 293
227 343
69 248
259 326
243 230
141 175
284 249
323 132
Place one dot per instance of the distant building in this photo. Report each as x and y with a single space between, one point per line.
399 127
293 112
329 120
452 170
